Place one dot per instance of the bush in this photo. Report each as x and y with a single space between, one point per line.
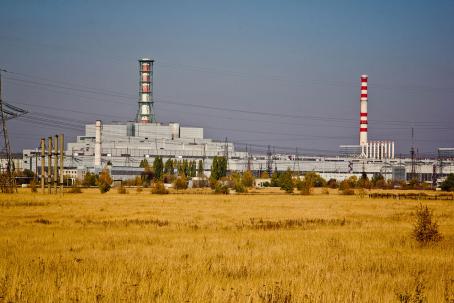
75 190
332 183
348 192
122 190
447 185
220 188
248 179
33 186
181 183
425 230
240 187
361 193
104 181
159 188
325 191
139 189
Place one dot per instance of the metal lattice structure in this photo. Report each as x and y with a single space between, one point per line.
7 112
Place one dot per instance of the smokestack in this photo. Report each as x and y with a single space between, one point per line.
363 112
145 113
98 138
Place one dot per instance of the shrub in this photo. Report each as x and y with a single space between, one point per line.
240 187
33 187
139 189
348 192
75 190
425 229
220 188
325 191
248 179
159 188
104 181
332 183
122 190
447 185
361 193
181 183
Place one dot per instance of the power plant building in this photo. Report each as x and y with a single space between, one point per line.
122 146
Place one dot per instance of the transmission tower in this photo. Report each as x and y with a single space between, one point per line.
8 184
269 161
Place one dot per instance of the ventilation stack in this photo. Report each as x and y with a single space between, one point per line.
98 134
363 115
145 113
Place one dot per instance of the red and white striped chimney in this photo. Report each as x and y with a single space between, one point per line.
363 112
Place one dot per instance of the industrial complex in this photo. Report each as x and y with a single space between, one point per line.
122 146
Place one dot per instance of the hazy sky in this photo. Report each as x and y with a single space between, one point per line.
76 61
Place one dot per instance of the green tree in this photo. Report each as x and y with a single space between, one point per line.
286 181
158 167
200 169
144 163
275 179
378 181
193 169
89 179
218 168
448 184
168 167
104 181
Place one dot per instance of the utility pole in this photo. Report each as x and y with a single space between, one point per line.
55 163
226 153
49 165
43 162
9 183
62 159
413 156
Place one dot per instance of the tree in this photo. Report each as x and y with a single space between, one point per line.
248 179
193 169
286 181
275 179
90 179
378 181
314 180
200 169
219 168
144 163
158 167
264 175
104 181
448 184
168 167
363 182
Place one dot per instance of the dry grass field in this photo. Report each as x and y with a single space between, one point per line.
141 247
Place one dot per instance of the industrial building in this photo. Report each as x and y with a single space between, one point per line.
122 146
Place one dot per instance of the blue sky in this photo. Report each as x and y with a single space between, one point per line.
300 58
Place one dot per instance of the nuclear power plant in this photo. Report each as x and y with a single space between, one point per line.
122 146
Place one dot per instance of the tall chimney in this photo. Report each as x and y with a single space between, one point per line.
98 139
145 113
363 112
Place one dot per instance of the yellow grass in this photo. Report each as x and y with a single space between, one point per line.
140 247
